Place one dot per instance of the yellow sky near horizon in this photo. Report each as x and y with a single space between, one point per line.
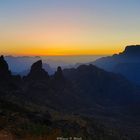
76 27
34 50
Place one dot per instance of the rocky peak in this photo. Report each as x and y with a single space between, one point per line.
59 74
4 69
132 50
37 72
36 67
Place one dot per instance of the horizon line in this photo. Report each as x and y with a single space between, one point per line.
69 55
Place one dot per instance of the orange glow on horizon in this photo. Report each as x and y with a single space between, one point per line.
58 51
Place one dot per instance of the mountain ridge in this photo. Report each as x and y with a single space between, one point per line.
117 62
62 101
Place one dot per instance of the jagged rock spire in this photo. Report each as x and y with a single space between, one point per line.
4 69
36 67
59 74
37 72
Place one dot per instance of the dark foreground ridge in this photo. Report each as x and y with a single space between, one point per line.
4 69
85 102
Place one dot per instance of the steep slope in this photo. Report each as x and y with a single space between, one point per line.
129 70
4 69
37 72
100 86
54 91
82 87
72 102
125 63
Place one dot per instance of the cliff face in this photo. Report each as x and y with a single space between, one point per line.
133 50
126 63
59 74
4 69
37 72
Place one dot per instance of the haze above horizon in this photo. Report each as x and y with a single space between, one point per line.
68 27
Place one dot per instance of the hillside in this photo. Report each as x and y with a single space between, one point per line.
126 63
82 102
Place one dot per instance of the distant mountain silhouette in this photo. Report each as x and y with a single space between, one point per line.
133 50
126 63
81 85
69 87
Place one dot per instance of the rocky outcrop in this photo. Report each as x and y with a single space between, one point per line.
59 74
125 63
37 72
132 50
4 69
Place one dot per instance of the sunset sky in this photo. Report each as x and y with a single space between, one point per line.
68 27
